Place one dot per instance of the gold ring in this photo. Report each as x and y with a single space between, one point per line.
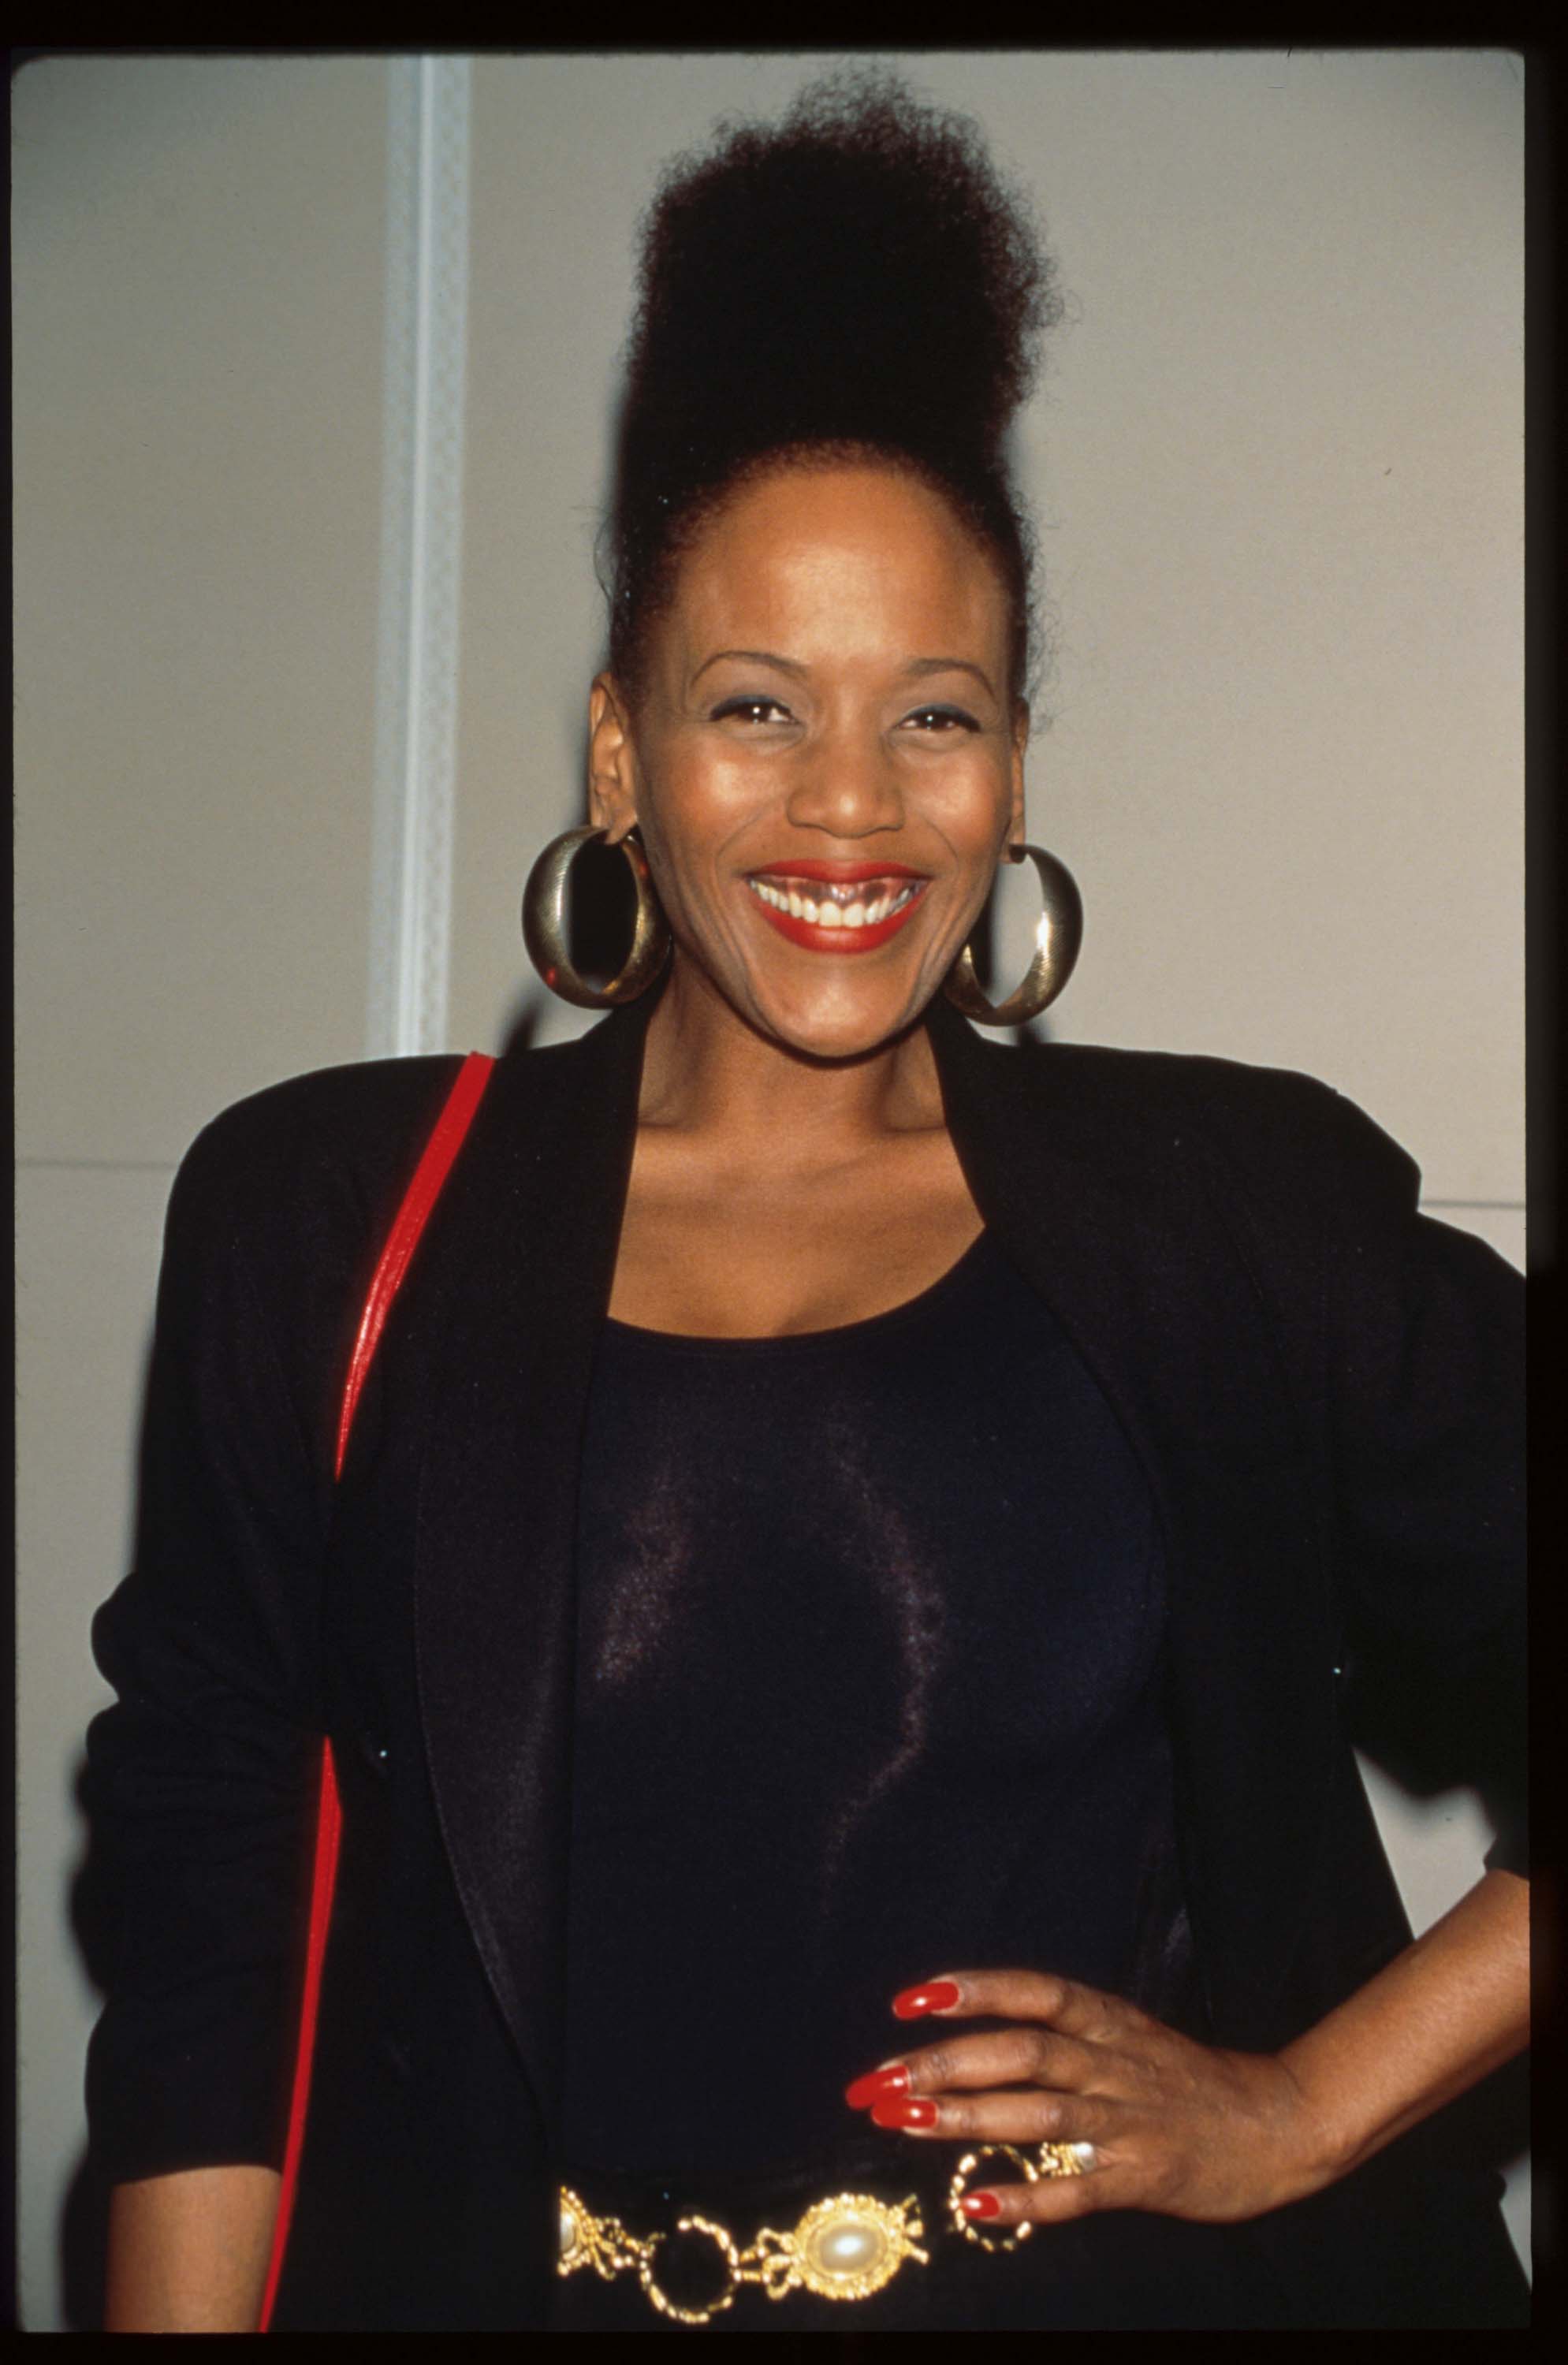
966 2166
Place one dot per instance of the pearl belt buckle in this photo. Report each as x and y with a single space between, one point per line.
843 2247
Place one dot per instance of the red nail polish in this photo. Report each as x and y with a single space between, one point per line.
980 2204
876 2082
937 1997
903 2110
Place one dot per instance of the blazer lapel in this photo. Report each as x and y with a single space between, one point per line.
1125 1238
520 1272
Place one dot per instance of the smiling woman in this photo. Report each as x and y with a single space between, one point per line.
822 747
849 1526
824 766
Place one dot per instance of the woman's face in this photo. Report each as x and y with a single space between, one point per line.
824 763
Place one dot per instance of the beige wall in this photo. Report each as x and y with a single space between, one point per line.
1276 462
198 348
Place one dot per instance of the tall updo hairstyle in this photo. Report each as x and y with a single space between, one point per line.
853 283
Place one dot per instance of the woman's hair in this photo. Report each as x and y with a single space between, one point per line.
852 283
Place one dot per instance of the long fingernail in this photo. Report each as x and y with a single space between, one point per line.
866 2090
903 2110
938 1997
980 2204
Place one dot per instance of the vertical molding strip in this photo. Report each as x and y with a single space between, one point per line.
421 541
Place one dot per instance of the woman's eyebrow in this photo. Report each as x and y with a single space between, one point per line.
916 669
949 664
751 656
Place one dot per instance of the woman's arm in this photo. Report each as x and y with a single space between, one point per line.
202 1776
189 2252
1451 2007
1196 2131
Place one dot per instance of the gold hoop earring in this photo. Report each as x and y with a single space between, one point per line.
1058 932
544 925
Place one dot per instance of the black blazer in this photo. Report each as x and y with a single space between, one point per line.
1324 1388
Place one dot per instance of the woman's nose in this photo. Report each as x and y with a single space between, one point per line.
848 786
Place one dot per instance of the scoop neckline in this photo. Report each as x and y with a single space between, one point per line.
639 1333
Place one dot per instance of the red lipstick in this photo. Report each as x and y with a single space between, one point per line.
811 936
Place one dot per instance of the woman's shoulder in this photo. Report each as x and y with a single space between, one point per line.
309 1164
336 1110
1199 1080
1263 1121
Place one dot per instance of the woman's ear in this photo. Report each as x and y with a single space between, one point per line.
613 760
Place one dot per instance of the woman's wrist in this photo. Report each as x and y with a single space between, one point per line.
1321 2138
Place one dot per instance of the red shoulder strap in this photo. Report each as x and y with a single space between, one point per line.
401 1241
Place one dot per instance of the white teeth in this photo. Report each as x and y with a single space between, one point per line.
832 912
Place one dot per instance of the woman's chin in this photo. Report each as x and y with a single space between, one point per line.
841 1011
838 1025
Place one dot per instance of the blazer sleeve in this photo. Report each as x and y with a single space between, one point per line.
1426 1389
202 1780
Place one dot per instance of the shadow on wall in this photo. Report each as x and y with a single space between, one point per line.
84 2219
85 2215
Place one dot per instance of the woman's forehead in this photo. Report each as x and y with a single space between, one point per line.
825 558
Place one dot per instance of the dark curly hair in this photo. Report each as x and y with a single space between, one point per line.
854 282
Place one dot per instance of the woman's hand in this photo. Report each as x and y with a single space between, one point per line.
1194 2130
189 2251
1184 2129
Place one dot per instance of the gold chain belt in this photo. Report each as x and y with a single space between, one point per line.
845 2247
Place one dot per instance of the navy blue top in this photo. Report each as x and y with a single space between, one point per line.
870 1686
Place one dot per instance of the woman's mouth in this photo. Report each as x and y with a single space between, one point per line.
853 912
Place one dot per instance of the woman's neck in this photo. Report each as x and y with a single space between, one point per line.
706 1071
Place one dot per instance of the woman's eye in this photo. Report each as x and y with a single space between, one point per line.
942 718
751 709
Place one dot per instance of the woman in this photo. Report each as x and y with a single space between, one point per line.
837 1622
